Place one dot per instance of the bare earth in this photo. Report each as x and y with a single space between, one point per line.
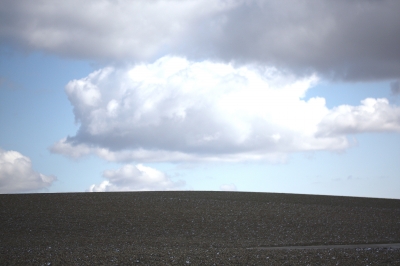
197 228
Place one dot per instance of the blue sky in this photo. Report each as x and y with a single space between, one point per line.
92 103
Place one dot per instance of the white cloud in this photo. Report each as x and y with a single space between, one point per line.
135 178
337 38
373 115
178 110
228 187
73 151
17 175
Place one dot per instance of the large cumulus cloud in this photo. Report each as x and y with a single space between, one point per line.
354 40
17 175
178 110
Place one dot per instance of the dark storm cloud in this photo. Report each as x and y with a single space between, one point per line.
352 40
355 40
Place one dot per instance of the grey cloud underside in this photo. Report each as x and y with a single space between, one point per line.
356 40
192 135
352 40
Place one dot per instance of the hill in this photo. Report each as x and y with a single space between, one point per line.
197 228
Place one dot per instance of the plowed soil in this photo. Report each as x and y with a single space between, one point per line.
195 228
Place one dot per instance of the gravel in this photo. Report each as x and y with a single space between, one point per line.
195 228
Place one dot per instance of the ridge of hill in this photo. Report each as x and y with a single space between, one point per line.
195 227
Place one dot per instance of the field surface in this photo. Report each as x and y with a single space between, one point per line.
197 228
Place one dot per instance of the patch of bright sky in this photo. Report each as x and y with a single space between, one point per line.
351 93
369 169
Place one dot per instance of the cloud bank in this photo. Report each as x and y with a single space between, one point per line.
135 178
353 40
178 110
17 175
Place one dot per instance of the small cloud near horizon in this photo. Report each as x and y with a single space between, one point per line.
135 178
18 176
228 187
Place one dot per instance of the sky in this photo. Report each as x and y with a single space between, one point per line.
219 95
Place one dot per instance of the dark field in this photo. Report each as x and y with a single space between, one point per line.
197 228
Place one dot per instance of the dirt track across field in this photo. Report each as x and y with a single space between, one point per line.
196 228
